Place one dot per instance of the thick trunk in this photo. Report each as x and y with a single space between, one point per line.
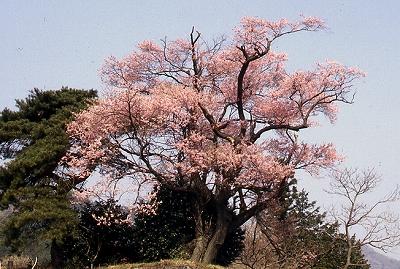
215 243
209 238
200 248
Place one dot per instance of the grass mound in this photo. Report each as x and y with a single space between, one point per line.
166 264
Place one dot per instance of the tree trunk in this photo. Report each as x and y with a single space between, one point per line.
215 243
200 248
209 238
56 255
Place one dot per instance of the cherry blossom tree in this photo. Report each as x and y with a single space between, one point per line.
217 119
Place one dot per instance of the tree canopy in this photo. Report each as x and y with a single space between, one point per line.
33 137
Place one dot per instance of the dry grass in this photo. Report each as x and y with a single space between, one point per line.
18 261
166 264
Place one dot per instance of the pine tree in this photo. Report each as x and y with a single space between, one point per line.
32 142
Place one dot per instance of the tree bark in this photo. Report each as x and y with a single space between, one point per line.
200 248
209 238
215 243
56 255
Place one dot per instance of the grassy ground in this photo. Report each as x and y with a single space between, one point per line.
166 264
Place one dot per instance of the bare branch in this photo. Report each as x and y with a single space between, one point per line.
380 228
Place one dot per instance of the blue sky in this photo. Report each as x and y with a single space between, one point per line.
48 44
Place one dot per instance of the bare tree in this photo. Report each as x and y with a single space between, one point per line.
374 224
257 253
292 235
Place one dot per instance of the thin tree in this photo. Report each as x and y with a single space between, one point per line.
295 235
364 223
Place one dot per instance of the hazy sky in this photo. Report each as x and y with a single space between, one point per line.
49 44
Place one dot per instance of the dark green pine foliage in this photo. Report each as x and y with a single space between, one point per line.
161 235
324 236
32 142
97 242
335 256
169 232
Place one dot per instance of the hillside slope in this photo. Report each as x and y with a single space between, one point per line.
380 261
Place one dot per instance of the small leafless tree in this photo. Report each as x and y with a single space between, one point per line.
374 225
271 243
257 253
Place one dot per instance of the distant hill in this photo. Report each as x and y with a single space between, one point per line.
380 261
